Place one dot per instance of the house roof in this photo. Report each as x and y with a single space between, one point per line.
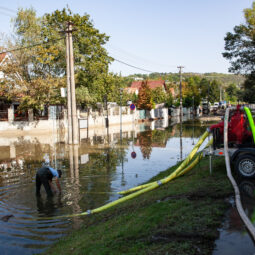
151 84
2 56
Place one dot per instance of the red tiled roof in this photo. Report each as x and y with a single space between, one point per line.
2 56
151 84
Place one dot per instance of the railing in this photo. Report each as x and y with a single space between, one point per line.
3 115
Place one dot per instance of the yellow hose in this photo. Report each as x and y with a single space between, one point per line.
149 186
173 175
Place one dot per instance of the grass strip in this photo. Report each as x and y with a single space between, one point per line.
180 217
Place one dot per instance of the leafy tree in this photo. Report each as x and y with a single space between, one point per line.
214 91
169 99
159 95
249 89
192 92
240 50
35 68
240 45
232 92
145 100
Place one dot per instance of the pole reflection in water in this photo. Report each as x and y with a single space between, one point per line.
180 137
74 189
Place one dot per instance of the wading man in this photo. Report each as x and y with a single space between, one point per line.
44 177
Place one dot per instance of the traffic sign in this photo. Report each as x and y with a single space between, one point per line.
133 154
132 107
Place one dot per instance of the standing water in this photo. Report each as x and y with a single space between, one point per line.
93 173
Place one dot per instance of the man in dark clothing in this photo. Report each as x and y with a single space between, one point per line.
44 176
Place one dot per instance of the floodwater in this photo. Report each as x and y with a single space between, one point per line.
104 163
234 238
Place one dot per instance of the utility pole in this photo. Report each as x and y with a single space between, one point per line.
180 67
69 104
121 90
73 137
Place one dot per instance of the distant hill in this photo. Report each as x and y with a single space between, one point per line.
225 79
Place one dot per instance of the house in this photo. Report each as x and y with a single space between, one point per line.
136 85
153 84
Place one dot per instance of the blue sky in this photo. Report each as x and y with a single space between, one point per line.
156 35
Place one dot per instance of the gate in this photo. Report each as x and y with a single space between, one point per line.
142 114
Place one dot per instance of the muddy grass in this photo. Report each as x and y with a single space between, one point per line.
181 217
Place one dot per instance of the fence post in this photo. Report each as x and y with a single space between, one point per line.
11 114
30 115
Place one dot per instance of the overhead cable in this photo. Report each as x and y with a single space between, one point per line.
124 63
7 9
31 46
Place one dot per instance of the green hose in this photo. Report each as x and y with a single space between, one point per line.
251 122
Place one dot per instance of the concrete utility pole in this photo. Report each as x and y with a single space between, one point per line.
180 67
121 90
73 136
69 105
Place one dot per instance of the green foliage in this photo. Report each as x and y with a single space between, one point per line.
159 95
83 97
214 91
232 92
239 45
45 64
249 89
169 100
145 99
239 50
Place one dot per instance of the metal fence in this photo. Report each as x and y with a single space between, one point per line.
3 115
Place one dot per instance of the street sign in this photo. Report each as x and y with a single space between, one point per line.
132 107
133 154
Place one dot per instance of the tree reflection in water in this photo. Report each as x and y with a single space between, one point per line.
145 142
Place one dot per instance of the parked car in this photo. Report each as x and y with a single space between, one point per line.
215 106
206 106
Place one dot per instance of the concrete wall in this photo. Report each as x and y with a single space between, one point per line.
96 119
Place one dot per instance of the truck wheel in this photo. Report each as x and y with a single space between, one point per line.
245 166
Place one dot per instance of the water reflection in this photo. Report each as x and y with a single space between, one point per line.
93 172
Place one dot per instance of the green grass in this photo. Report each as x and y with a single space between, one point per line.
181 217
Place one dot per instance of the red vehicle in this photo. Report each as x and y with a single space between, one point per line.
241 137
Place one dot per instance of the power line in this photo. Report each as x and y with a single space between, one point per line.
7 9
43 43
124 63
31 46
136 57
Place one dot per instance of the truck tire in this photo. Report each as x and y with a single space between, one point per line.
245 166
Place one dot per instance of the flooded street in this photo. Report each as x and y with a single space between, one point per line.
93 173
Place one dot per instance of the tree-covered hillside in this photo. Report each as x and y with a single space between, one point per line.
224 79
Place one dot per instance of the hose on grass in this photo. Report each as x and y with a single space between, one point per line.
182 169
175 173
